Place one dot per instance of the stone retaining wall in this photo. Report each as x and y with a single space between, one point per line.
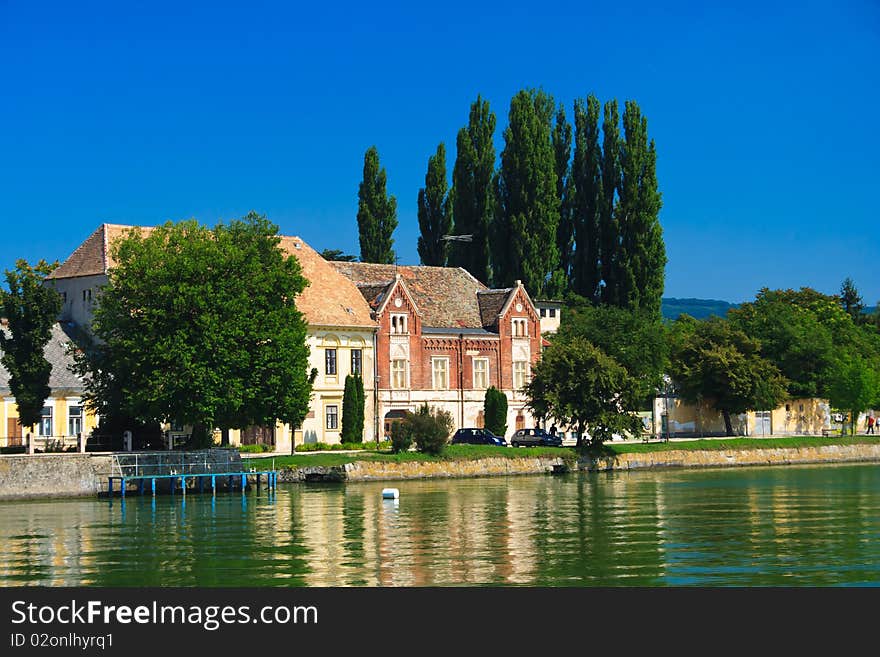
52 475
710 458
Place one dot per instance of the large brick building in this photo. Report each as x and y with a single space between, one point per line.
444 338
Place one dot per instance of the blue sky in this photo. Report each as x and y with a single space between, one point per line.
763 114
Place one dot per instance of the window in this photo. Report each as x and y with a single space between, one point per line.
332 413
440 373
64 297
398 324
74 420
520 327
543 312
398 374
553 312
356 361
87 294
520 370
330 361
481 373
45 427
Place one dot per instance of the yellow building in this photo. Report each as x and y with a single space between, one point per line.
64 417
340 337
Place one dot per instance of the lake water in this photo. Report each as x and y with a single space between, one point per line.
798 525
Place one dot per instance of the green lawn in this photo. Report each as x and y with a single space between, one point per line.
460 452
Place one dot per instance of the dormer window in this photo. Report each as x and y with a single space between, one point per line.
520 327
399 325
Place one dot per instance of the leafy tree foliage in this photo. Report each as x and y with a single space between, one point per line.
473 199
353 410
561 139
851 300
609 226
586 199
716 362
637 341
377 212
435 211
32 309
337 254
200 326
428 428
527 212
854 385
578 385
495 411
639 267
801 332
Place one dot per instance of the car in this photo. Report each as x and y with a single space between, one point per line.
477 436
535 438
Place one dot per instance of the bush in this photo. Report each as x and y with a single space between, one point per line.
254 449
428 429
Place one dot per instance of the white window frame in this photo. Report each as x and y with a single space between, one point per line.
43 429
403 371
399 323
359 359
79 418
328 359
520 371
335 416
520 327
485 372
440 367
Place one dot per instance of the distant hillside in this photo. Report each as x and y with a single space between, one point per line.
699 308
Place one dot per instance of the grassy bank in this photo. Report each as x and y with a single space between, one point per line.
463 452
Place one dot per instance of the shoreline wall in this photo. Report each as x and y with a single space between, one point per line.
29 476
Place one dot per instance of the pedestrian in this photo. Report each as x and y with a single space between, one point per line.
871 421
553 430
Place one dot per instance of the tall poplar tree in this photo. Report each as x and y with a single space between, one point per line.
472 192
588 199
561 137
31 308
377 213
609 229
435 211
640 268
527 212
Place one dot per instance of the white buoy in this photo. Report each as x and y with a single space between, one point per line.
390 493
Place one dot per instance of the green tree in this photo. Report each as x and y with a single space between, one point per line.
586 199
352 410
561 138
716 362
435 211
377 213
801 332
579 386
428 428
495 411
639 270
609 228
527 211
854 385
32 308
637 341
472 194
200 326
851 300
337 254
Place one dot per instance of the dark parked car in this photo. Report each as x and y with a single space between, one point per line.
535 438
476 436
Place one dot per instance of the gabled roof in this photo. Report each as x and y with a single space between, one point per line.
61 378
92 257
330 299
491 302
446 296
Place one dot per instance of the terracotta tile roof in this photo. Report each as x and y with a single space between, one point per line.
491 302
330 299
446 296
374 294
93 256
61 378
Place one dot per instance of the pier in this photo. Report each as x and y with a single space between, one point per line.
176 471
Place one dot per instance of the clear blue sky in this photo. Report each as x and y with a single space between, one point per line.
764 117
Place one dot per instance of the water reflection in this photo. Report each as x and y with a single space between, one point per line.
795 525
